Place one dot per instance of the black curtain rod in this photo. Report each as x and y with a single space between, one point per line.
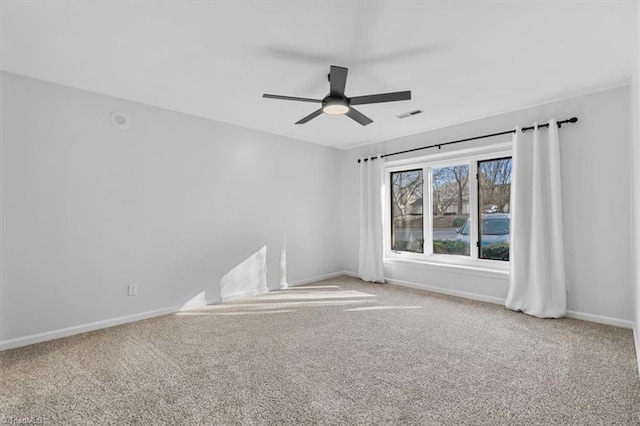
440 145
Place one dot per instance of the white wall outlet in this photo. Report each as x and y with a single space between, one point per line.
133 289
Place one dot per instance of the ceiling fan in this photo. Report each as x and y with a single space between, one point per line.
337 103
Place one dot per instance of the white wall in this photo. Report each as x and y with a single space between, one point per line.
596 176
172 204
635 194
175 203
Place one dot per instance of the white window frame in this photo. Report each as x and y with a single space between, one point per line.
471 263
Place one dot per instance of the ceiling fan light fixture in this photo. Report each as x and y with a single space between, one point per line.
335 108
336 103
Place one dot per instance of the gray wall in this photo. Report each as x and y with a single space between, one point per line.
172 204
635 195
595 188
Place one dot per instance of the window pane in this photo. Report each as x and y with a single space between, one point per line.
406 211
450 195
494 193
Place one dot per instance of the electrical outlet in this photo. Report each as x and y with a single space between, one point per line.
133 289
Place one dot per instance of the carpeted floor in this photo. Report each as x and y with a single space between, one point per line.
334 352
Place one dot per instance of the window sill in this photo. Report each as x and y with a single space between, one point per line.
484 268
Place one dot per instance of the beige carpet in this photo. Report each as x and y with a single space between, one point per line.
335 352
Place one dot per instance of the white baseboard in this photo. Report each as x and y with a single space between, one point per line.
636 339
500 301
70 331
449 292
243 294
599 319
83 328
318 278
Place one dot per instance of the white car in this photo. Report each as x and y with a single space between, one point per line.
495 229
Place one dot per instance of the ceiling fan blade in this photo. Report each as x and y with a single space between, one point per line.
358 116
337 81
291 98
310 117
382 97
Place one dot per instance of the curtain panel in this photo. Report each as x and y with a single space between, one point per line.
370 258
537 283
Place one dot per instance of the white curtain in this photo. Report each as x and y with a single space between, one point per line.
537 284
371 243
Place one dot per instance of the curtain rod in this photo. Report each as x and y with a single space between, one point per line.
440 145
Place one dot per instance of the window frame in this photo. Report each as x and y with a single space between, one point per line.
390 208
479 216
470 157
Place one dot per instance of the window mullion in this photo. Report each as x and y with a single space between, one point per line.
427 209
473 209
387 204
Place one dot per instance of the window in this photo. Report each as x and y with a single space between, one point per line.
494 194
406 211
450 199
450 208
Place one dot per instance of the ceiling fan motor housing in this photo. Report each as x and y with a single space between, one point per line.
335 106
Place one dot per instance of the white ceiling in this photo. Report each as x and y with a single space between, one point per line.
462 60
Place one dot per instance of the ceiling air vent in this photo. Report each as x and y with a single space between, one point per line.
410 113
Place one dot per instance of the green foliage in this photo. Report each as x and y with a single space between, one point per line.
417 246
498 251
450 247
458 222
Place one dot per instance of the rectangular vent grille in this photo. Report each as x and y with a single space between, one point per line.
410 113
